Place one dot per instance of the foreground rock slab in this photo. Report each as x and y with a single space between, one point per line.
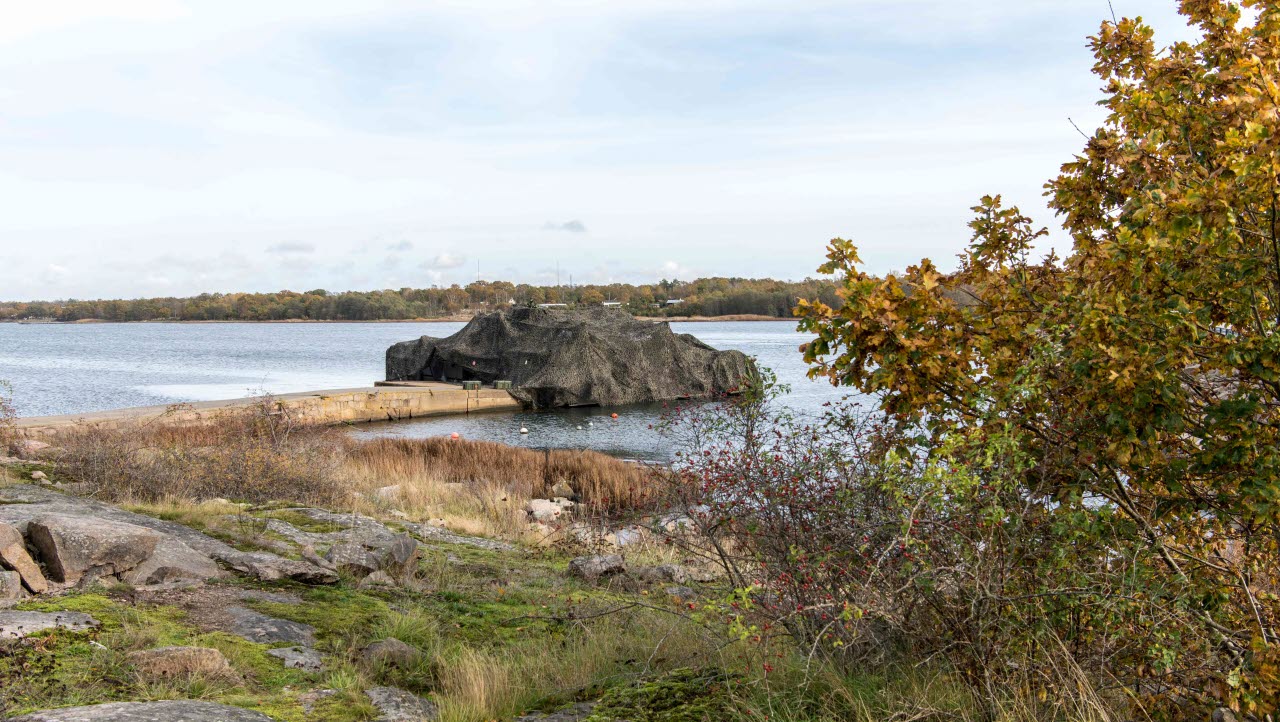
16 625
397 705
72 546
258 627
22 504
171 711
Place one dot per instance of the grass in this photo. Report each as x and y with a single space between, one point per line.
495 634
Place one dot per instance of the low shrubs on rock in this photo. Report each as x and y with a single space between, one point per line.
258 457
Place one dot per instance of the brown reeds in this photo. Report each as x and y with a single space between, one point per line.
598 481
258 456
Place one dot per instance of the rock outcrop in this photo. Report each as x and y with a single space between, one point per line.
170 711
72 546
560 358
594 567
179 553
16 625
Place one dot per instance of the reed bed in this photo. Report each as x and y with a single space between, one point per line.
598 481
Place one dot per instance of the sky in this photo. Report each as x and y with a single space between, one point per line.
174 147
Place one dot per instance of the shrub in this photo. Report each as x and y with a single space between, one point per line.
259 456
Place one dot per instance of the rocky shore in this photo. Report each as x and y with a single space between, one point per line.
311 613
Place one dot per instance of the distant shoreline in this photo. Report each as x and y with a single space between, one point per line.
459 318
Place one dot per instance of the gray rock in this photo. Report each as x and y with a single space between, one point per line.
378 579
402 553
544 510
684 594
542 351
391 652
270 567
10 587
661 573
576 713
258 627
356 528
352 558
181 662
16 625
39 476
593 567
444 536
170 711
397 705
13 555
308 553
1222 714
562 488
172 563
70 546
27 502
304 658
260 595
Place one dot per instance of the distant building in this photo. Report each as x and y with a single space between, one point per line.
673 302
612 303
553 305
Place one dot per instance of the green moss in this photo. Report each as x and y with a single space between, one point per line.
683 695
303 522
61 669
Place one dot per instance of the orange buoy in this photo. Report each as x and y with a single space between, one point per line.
614 416
454 435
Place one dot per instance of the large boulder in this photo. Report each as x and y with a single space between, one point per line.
13 555
573 358
594 567
73 545
169 711
173 562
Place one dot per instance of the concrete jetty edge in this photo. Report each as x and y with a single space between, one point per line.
329 407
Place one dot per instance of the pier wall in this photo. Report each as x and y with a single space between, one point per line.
332 407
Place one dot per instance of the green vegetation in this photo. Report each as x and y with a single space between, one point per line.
1094 504
703 297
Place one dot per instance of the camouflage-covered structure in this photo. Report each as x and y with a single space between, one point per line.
556 358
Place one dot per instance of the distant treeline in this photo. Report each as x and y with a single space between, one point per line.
703 297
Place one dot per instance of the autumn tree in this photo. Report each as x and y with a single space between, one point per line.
1140 373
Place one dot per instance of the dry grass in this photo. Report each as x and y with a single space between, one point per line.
258 457
599 481
477 487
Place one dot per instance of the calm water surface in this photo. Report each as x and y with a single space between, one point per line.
59 369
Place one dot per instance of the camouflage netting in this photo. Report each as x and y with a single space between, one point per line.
573 358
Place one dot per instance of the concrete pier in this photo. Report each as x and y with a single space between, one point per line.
384 402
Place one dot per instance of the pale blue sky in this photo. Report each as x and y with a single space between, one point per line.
157 147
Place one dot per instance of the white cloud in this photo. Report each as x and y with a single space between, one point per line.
735 135
292 247
445 262
570 226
